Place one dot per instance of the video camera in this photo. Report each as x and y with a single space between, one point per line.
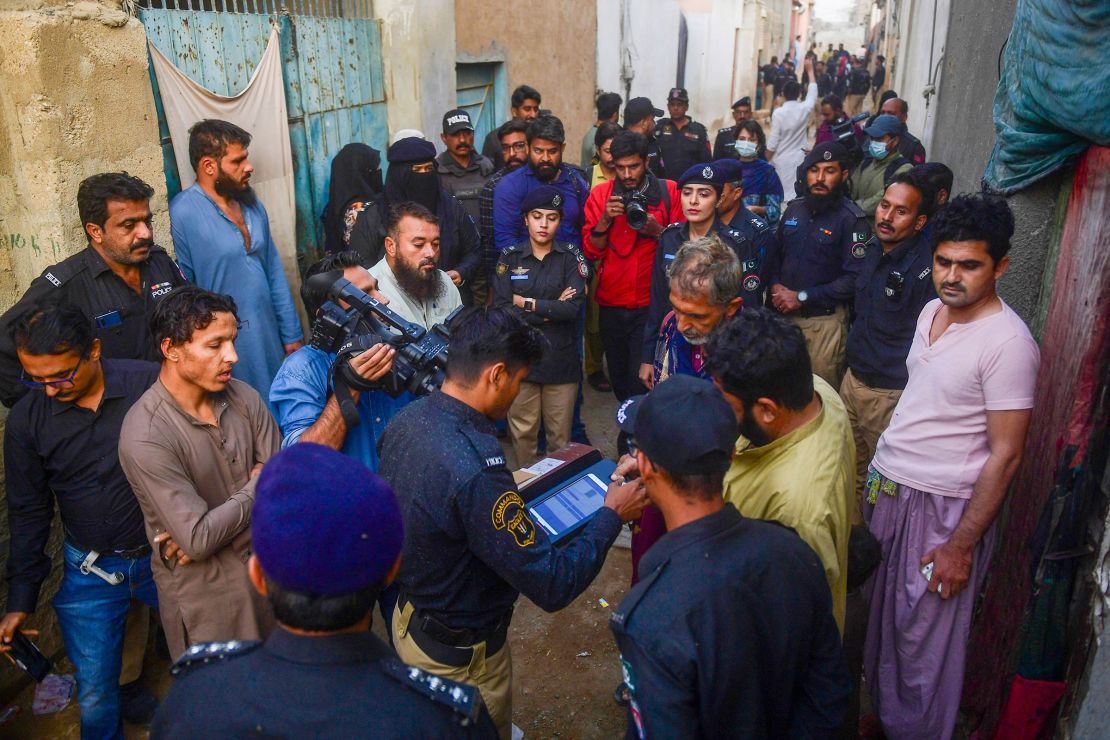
845 134
421 357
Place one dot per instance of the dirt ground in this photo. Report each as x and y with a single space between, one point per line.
565 665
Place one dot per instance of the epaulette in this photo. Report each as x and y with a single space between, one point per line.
723 130
206 653
854 208
61 273
676 224
486 447
628 604
462 699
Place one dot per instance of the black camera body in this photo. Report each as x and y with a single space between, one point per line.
635 209
844 134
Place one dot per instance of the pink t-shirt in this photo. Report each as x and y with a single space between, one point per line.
937 438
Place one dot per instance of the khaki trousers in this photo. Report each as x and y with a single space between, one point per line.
769 97
869 411
492 674
827 341
852 104
594 351
554 404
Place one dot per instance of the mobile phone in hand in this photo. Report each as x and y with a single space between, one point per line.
28 657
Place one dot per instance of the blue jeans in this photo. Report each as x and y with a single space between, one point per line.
92 614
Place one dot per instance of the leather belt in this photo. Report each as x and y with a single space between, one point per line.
874 381
450 646
808 312
129 553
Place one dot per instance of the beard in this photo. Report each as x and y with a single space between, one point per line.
753 432
821 202
228 187
423 285
546 172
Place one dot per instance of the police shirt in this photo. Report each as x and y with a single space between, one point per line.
655 163
470 545
519 272
891 290
730 633
749 237
122 316
681 148
820 253
724 146
337 686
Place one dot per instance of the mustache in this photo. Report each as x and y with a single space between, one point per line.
142 244
428 262
952 286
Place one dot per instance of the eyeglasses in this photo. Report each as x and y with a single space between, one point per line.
519 146
632 446
65 382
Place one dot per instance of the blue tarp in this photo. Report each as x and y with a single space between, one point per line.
1053 98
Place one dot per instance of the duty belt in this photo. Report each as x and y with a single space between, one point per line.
807 312
453 647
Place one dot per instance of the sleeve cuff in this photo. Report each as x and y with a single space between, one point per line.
22 597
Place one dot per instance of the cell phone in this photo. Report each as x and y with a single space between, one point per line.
28 657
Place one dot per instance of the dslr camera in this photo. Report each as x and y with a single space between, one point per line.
635 209
421 354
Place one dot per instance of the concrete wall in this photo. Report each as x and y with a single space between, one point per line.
550 47
76 100
909 43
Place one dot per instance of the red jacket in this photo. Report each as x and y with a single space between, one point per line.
624 277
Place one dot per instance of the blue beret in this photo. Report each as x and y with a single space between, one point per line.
729 170
324 524
411 149
544 197
706 172
826 151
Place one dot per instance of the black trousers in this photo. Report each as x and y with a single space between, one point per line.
622 336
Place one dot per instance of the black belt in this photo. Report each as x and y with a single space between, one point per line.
128 553
450 646
808 312
875 381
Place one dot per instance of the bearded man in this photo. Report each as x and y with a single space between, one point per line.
221 233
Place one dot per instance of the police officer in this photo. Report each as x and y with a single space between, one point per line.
720 591
747 235
543 281
683 141
724 146
471 546
115 280
822 241
639 116
322 673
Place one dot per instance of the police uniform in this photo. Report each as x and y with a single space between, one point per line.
891 291
122 316
819 256
471 548
681 148
655 164
729 632
724 146
340 681
549 391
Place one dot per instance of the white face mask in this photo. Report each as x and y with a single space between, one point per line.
878 149
746 148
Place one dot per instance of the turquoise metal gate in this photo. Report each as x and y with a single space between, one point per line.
331 64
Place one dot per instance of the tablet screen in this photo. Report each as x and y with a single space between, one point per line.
562 510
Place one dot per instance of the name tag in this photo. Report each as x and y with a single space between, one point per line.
518 277
668 256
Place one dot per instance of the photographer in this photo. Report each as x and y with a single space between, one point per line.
624 218
302 395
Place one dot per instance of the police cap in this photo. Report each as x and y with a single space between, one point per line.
638 109
680 423
411 149
828 151
704 173
323 523
744 101
544 198
679 94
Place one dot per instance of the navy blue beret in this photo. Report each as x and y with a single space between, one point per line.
705 173
544 197
411 149
323 523
729 170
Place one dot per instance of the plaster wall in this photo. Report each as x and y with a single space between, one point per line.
912 43
552 51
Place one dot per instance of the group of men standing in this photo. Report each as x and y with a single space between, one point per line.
850 364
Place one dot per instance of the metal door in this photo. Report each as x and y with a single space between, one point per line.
332 68
479 91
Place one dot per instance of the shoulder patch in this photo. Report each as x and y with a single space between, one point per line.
502 268
511 513
206 653
924 273
463 700
498 461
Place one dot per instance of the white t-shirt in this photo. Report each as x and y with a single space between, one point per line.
937 438
425 313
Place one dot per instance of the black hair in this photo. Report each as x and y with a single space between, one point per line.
211 137
833 101
53 329
938 175
790 89
548 128
880 58
608 105
94 193
628 144
185 309
753 127
524 92
484 335
774 60
705 484
398 211
760 354
606 131
334 261
512 126
320 612
924 188
978 217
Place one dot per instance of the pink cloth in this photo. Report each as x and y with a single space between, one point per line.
645 533
916 644
937 438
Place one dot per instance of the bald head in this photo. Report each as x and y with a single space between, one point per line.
896 107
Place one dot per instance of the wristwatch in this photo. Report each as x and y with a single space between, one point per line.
802 296
530 304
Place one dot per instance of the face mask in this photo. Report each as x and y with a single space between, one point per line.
877 149
746 148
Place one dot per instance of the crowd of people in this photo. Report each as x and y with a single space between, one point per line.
822 401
